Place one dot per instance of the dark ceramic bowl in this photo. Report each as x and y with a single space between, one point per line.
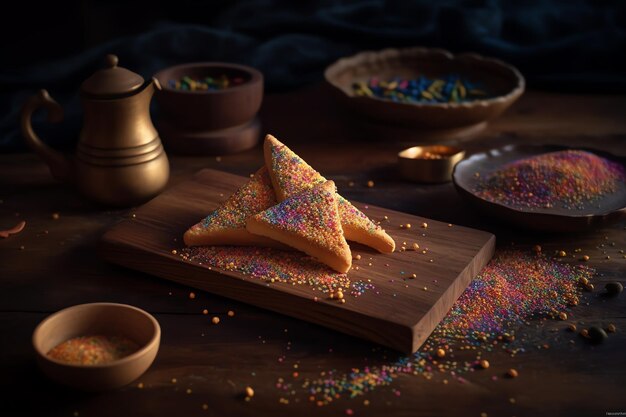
557 219
209 110
502 82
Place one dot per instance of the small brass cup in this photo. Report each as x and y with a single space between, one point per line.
429 164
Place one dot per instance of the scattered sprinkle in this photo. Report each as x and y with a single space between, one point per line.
514 288
274 266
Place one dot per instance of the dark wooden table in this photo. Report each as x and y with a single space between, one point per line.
53 264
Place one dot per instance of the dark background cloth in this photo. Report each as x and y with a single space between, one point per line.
565 45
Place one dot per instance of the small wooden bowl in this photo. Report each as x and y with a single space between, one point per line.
218 121
503 82
91 319
429 164
556 219
210 109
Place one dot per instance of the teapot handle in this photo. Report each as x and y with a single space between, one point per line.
58 163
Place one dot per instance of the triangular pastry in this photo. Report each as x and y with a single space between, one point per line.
290 175
308 221
227 224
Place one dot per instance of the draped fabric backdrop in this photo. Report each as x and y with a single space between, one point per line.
577 46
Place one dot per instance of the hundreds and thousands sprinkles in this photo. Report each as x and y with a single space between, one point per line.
449 89
221 82
570 179
274 266
514 288
93 350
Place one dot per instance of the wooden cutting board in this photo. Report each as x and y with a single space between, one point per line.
400 312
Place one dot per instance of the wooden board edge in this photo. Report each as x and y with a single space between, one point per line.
395 336
433 317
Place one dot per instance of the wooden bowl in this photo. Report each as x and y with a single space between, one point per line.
503 82
556 219
209 122
91 319
210 109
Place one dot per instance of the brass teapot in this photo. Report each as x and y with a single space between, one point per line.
120 160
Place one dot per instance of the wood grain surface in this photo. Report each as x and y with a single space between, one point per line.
53 264
400 312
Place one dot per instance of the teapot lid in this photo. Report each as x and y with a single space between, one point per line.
112 81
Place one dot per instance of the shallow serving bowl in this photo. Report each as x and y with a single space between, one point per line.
97 318
467 174
503 83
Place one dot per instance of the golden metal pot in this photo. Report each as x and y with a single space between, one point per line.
119 160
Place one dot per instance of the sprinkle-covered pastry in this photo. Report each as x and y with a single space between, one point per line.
227 224
290 175
308 221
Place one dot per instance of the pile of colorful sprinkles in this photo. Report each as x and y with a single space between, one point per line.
208 83
273 266
514 288
570 179
514 291
93 350
449 89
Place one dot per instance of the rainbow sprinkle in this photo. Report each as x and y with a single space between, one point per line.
273 265
450 88
291 175
514 288
93 350
311 215
254 196
570 179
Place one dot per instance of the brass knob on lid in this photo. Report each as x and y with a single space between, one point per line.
112 60
112 81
